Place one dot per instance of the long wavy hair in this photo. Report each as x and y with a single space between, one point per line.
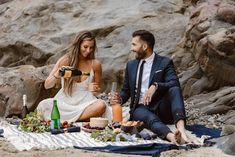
73 56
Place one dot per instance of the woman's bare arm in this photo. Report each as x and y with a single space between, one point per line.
97 67
54 77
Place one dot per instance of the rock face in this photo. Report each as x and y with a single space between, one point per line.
198 35
228 144
15 82
37 33
218 102
206 53
205 57
22 54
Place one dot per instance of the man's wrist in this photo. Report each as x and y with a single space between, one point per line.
120 100
155 84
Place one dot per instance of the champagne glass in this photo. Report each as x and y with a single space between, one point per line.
113 90
116 107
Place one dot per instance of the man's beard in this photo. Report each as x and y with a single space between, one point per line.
140 55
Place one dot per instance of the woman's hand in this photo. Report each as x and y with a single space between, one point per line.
94 88
149 93
65 68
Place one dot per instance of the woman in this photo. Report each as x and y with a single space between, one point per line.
76 99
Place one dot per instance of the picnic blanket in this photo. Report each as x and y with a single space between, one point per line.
154 149
27 141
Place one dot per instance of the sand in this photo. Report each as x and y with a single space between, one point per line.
7 150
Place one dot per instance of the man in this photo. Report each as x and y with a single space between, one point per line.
153 86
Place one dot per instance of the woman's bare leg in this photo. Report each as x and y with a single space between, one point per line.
94 110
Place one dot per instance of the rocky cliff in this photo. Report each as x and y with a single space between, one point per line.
37 33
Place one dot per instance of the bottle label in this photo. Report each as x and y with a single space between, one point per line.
67 73
55 124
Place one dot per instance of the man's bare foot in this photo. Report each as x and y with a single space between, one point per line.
181 128
184 137
178 137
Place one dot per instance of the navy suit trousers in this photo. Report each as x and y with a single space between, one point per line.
170 110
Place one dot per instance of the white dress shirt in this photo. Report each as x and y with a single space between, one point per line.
145 77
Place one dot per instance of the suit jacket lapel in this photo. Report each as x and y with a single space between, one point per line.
134 70
155 67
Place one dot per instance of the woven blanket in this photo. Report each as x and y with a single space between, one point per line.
27 141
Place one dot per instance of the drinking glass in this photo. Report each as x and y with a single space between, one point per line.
113 90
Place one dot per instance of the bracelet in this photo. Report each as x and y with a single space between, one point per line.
55 77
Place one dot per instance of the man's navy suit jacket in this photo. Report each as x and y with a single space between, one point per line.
162 72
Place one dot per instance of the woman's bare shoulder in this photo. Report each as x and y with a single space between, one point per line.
63 61
96 63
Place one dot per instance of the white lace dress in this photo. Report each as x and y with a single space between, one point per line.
71 107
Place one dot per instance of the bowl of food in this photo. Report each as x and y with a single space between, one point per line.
99 122
132 127
87 128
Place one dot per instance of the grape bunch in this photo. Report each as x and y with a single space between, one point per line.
105 136
34 123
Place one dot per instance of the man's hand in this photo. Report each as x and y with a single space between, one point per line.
113 98
149 93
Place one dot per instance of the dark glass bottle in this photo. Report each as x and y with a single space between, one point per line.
55 116
24 110
71 72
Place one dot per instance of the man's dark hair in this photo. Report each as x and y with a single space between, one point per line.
145 36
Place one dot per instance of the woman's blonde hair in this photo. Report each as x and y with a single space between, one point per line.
73 54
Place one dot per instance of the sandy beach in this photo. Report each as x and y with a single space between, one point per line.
8 150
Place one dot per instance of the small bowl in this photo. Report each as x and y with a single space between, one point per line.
99 122
132 129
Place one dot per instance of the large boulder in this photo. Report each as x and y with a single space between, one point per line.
207 50
24 79
227 144
220 102
21 53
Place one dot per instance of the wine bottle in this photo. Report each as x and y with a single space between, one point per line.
71 72
24 110
55 116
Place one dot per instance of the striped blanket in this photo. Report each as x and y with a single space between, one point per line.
27 141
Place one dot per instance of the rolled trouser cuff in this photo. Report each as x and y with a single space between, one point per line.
179 116
159 128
